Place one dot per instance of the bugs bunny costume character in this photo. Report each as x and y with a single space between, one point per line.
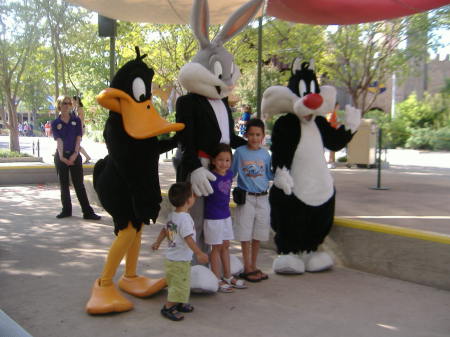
209 79
303 196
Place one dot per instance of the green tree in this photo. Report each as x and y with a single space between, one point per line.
361 54
18 40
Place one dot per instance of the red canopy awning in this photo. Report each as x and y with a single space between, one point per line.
343 12
322 12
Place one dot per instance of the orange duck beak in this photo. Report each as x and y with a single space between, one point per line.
140 120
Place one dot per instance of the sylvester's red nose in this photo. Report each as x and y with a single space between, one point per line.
313 101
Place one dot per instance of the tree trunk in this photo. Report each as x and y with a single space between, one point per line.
13 130
14 140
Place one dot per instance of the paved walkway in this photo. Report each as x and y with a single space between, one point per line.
47 267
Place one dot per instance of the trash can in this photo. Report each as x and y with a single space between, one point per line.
361 150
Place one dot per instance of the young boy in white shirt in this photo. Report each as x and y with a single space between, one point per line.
180 232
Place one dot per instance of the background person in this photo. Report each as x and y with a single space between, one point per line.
246 115
79 111
67 132
332 118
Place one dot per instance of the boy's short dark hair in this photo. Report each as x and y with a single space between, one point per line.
179 193
256 122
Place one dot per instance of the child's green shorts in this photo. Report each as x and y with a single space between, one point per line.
178 275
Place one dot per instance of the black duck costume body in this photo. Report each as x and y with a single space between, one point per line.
303 196
127 181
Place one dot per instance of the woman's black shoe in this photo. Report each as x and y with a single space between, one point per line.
63 215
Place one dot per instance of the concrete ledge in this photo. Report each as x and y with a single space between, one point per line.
32 174
396 252
406 254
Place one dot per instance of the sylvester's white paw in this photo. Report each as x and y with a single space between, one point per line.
316 261
288 264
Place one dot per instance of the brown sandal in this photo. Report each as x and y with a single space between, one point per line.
246 277
262 275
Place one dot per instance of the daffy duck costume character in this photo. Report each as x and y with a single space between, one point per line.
127 181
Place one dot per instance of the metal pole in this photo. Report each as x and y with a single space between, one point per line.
378 187
394 93
258 84
112 57
38 148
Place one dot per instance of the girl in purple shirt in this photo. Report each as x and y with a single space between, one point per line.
217 226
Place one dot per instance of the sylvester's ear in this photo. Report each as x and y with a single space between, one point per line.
296 65
138 54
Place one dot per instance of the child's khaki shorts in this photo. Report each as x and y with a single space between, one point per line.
252 220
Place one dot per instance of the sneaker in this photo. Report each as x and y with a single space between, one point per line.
92 216
63 215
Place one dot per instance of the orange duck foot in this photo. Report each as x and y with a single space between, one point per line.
106 300
141 286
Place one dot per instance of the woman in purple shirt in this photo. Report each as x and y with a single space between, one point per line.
67 131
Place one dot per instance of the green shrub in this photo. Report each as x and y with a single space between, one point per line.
342 159
441 139
431 112
420 139
12 154
395 132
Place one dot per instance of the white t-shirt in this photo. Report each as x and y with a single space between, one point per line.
179 226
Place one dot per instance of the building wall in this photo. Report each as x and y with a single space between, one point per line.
435 71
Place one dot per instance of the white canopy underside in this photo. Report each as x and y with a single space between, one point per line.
159 11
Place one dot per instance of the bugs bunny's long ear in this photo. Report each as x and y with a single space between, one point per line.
238 21
200 22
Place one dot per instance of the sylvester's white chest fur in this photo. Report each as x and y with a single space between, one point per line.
313 183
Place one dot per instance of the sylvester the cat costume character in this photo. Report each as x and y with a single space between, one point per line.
127 181
303 196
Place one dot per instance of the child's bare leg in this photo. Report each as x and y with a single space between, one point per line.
225 258
255 251
249 267
245 247
215 257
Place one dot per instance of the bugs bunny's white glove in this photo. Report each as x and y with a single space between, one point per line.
200 182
